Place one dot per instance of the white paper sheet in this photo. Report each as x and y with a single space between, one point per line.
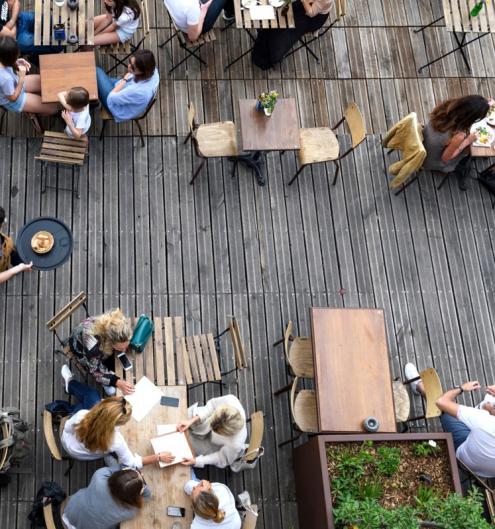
170 440
145 397
264 12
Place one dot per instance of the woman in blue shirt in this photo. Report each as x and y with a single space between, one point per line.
129 97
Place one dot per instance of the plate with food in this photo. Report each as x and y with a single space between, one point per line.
249 3
276 3
42 242
490 117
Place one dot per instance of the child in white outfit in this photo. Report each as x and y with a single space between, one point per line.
76 114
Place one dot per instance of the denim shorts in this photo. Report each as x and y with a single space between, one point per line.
16 106
124 35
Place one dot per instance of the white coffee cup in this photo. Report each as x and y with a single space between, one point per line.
60 3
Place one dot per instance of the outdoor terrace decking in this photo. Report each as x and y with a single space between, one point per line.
149 242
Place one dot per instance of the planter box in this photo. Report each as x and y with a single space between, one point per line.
314 499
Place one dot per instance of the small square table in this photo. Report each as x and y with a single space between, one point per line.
352 372
79 22
278 132
63 71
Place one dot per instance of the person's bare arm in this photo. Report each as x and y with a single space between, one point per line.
447 403
193 32
456 145
11 272
76 133
18 89
8 32
62 97
15 8
309 8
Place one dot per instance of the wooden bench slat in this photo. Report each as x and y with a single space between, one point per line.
185 362
178 334
206 357
159 353
198 353
214 357
170 350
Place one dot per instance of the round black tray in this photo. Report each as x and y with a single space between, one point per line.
62 247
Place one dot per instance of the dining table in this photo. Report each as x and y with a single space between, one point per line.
352 372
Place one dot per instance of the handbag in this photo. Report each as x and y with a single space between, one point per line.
142 333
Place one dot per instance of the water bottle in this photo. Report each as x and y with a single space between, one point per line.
477 8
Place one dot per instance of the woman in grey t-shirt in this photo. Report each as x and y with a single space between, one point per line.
446 136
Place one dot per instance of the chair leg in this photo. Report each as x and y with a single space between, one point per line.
291 440
444 179
281 390
188 137
196 173
337 170
103 129
278 342
43 178
77 176
234 167
140 131
296 175
2 120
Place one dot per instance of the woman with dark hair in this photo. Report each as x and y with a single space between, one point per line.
446 136
118 24
20 92
112 496
10 262
129 97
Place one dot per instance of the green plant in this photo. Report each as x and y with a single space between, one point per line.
388 460
424 495
268 99
424 448
372 490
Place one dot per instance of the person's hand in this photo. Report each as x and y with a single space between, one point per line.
23 62
489 408
126 387
166 457
67 117
204 7
490 390
25 266
188 461
184 425
471 386
128 75
22 70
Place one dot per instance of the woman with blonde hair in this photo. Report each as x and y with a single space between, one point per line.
213 505
95 434
94 341
218 431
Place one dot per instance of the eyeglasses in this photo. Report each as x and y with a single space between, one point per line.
141 477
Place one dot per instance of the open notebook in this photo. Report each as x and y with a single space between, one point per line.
146 395
170 440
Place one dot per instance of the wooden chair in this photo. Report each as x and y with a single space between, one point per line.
59 317
191 48
303 410
127 48
433 391
306 40
255 449
200 359
251 517
321 145
58 148
239 352
299 355
106 117
50 516
49 426
213 140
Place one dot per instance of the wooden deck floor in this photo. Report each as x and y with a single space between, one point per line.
149 242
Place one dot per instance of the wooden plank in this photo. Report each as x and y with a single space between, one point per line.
170 349
186 361
198 353
160 352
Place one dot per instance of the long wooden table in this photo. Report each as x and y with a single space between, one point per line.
167 484
352 372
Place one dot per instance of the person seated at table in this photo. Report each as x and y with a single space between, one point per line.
218 431
10 262
472 429
118 24
112 496
272 45
128 98
20 92
196 18
95 434
213 505
76 114
95 340
447 137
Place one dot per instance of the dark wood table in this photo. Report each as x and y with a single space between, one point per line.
352 372
63 71
278 132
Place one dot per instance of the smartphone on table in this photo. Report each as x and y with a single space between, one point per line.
177 512
126 363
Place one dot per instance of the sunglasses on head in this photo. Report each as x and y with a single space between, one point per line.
141 477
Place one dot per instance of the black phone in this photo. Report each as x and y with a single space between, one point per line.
126 363
169 401
177 512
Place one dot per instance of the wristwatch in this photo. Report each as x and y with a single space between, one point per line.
460 388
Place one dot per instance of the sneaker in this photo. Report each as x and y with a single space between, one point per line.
110 391
67 376
411 371
226 17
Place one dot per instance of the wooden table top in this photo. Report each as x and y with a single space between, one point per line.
167 484
483 152
79 22
63 71
352 372
284 17
278 132
457 16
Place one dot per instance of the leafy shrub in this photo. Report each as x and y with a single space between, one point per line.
424 448
388 460
371 490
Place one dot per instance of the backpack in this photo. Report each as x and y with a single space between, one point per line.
241 464
15 441
142 333
49 492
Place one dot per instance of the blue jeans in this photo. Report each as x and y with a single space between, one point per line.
25 36
86 396
457 428
105 85
214 12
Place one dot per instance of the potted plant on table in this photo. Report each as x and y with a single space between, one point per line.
267 101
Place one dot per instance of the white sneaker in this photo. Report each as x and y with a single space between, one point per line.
411 371
226 17
67 376
109 391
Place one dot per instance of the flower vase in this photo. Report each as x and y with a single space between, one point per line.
268 111
259 106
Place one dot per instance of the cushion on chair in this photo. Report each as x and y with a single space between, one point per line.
318 145
217 139
401 401
305 414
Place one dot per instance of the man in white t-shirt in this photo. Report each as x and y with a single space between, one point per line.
472 429
195 18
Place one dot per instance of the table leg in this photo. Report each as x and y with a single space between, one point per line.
225 68
254 160
422 28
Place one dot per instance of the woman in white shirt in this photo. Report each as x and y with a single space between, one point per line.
94 434
213 504
218 431
119 23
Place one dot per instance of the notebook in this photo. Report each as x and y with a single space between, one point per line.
264 12
170 440
145 397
